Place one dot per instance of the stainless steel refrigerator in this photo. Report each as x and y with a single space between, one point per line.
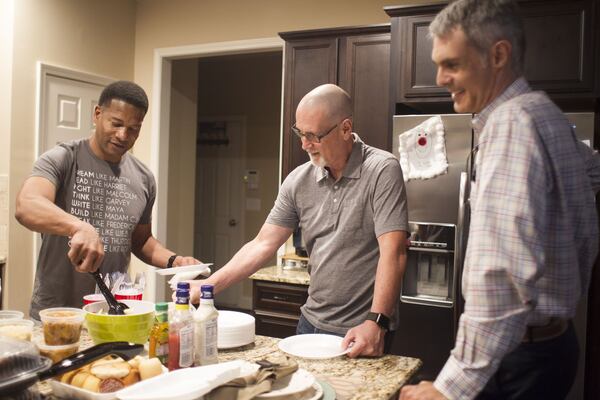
430 299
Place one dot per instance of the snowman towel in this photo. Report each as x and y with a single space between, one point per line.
422 150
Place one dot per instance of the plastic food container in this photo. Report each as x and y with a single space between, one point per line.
62 325
21 329
92 298
57 353
20 362
10 315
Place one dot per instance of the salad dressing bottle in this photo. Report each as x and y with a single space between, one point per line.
205 329
181 329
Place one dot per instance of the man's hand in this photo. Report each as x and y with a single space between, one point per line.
367 338
181 261
86 248
423 391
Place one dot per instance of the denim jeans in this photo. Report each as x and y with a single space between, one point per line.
541 370
305 327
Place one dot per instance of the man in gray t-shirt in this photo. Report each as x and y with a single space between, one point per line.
350 202
92 202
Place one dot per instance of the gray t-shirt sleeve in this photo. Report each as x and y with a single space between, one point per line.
389 200
284 212
54 165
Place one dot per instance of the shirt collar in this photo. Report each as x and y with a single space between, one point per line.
518 87
353 167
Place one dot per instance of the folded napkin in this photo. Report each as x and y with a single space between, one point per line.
422 150
261 381
186 276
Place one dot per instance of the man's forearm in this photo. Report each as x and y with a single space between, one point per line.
249 259
390 269
41 215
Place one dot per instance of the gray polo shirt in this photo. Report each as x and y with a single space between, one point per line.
340 224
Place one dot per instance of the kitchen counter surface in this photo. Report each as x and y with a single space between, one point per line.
276 273
352 379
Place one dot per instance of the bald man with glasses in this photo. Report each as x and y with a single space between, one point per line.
350 202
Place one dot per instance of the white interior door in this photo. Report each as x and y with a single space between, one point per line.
68 110
219 225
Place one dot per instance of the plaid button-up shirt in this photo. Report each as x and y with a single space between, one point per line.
533 234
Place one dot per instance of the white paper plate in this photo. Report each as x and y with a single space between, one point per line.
315 346
235 329
294 384
200 268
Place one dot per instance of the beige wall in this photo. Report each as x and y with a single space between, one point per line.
82 35
6 49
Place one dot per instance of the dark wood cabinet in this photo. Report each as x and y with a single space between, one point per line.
276 307
561 55
356 59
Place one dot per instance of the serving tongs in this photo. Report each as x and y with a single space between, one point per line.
114 307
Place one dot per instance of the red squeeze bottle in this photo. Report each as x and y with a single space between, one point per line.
181 330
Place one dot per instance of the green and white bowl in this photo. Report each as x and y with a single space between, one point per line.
133 327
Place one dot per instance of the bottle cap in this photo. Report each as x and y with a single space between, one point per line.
207 291
162 306
183 286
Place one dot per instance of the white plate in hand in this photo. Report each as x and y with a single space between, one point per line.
200 268
314 346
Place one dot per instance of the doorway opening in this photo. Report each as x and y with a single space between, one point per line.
237 137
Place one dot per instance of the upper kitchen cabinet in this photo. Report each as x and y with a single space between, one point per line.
358 60
561 55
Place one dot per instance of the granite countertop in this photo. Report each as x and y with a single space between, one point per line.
352 379
276 273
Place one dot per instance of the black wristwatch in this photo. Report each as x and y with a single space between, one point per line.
171 260
379 319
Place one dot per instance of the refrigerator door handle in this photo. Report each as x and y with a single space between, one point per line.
459 245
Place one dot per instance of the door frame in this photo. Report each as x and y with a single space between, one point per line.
161 102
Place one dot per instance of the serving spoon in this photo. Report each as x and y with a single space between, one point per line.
114 307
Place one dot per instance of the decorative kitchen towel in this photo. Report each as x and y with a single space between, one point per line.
422 150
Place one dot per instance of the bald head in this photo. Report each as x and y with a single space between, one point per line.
328 100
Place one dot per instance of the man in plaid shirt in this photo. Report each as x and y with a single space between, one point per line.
534 231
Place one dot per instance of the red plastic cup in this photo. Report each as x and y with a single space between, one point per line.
92 298
128 294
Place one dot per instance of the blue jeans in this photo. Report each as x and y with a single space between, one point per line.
305 327
541 370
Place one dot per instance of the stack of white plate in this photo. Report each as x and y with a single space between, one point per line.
235 329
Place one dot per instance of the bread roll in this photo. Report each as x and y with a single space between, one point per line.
79 378
133 377
116 369
150 368
68 376
92 383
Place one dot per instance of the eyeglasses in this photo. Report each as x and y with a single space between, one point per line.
315 137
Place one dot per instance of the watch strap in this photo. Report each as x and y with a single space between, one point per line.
171 260
380 319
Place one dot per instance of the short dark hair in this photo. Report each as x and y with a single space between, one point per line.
485 22
126 91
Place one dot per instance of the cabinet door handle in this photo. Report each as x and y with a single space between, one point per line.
280 298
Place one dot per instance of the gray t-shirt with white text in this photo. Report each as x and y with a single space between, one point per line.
340 224
112 197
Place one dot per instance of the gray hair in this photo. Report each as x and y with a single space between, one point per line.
484 22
